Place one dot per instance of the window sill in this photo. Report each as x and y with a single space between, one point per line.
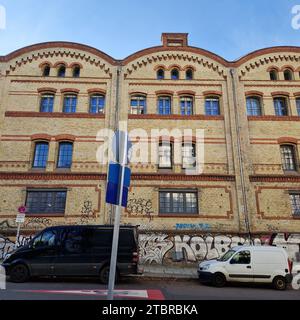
29 114
179 215
296 217
174 117
45 215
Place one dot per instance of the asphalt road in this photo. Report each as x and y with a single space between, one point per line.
90 289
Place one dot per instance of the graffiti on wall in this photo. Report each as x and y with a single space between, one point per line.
154 247
7 245
7 224
186 248
86 212
140 206
37 223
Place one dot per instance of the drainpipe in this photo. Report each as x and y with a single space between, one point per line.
240 156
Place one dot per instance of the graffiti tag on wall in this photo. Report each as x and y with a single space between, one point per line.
163 248
140 207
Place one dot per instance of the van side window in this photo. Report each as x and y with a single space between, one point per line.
242 257
73 241
46 239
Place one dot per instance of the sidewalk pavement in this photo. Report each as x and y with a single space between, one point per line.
169 272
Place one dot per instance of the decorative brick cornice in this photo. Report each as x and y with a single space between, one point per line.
69 90
46 89
275 178
212 93
96 90
283 140
40 136
164 92
24 114
65 137
175 117
273 118
254 93
186 92
280 93
99 176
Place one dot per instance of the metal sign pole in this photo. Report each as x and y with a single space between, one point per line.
18 235
114 253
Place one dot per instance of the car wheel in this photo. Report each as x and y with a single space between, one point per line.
219 280
104 275
279 283
19 273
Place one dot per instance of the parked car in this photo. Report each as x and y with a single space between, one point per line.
261 264
74 251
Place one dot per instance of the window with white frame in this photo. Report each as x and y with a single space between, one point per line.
295 203
138 104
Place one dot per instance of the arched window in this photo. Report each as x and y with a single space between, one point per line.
40 157
164 105
254 106
46 70
76 71
174 74
61 72
274 75
288 75
47 102
189 74
212 106
138 104
97 103
288 156
65 154
160 74
281 106
186 105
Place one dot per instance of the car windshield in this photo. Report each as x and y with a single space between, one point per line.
227 255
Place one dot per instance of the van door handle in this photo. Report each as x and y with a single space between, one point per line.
248 267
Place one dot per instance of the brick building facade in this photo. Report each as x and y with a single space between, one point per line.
56 96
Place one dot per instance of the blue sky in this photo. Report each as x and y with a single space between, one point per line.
230 28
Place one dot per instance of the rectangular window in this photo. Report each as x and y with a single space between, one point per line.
70 104
97 104
164 105
178 202
40 155
165 156
47 102
65 155
212 107
281 108
288 157
253 106
298 106
295 203
46 201
138 105
188 156
186 106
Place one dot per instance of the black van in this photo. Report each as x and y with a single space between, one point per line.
74 251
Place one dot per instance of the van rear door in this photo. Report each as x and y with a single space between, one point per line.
266 263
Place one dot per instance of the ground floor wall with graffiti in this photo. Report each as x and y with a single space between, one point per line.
186 248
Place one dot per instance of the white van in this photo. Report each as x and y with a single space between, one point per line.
262 264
